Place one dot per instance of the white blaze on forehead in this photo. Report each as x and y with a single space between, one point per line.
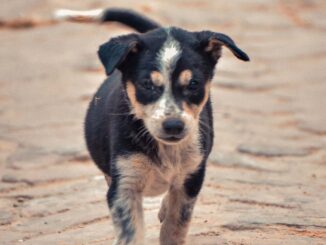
167 59
169 54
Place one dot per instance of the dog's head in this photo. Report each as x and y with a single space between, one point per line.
167 74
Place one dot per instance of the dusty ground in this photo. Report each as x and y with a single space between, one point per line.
266 180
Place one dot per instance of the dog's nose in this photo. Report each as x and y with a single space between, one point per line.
173 126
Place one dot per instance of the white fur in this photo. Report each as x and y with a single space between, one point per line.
167 58
160 110
166 105
67 14
169 54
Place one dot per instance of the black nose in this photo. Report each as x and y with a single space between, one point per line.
173 126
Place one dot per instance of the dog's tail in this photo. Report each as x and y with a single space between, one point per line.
128 17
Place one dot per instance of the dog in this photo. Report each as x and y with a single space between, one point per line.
149 127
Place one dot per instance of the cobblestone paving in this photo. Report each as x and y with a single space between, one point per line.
266 179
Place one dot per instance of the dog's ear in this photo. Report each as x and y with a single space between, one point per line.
114 52
212 42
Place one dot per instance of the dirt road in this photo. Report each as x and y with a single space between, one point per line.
266 179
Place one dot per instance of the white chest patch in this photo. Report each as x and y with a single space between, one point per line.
177 164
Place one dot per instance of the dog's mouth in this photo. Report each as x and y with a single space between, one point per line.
167 139
171 138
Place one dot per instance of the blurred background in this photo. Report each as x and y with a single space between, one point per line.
266 177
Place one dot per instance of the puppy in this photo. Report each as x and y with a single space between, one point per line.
149 126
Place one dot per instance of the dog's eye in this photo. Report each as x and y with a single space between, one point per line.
147 84
193 85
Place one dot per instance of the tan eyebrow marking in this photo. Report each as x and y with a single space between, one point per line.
184 77
157 78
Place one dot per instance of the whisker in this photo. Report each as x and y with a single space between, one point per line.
208 127
140 133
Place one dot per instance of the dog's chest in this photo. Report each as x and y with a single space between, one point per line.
176 165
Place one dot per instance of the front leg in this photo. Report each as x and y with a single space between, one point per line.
177 207
125 200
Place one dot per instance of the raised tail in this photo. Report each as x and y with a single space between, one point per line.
128 17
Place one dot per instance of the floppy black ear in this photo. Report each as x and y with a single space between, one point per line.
212 42
114 52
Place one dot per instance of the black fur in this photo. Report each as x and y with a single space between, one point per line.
113 53
185 213
112 130
124 219
109 123
195 181
130 18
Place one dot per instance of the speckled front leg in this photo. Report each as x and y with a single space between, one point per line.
175 214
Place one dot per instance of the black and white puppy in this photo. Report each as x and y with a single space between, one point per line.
149 127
